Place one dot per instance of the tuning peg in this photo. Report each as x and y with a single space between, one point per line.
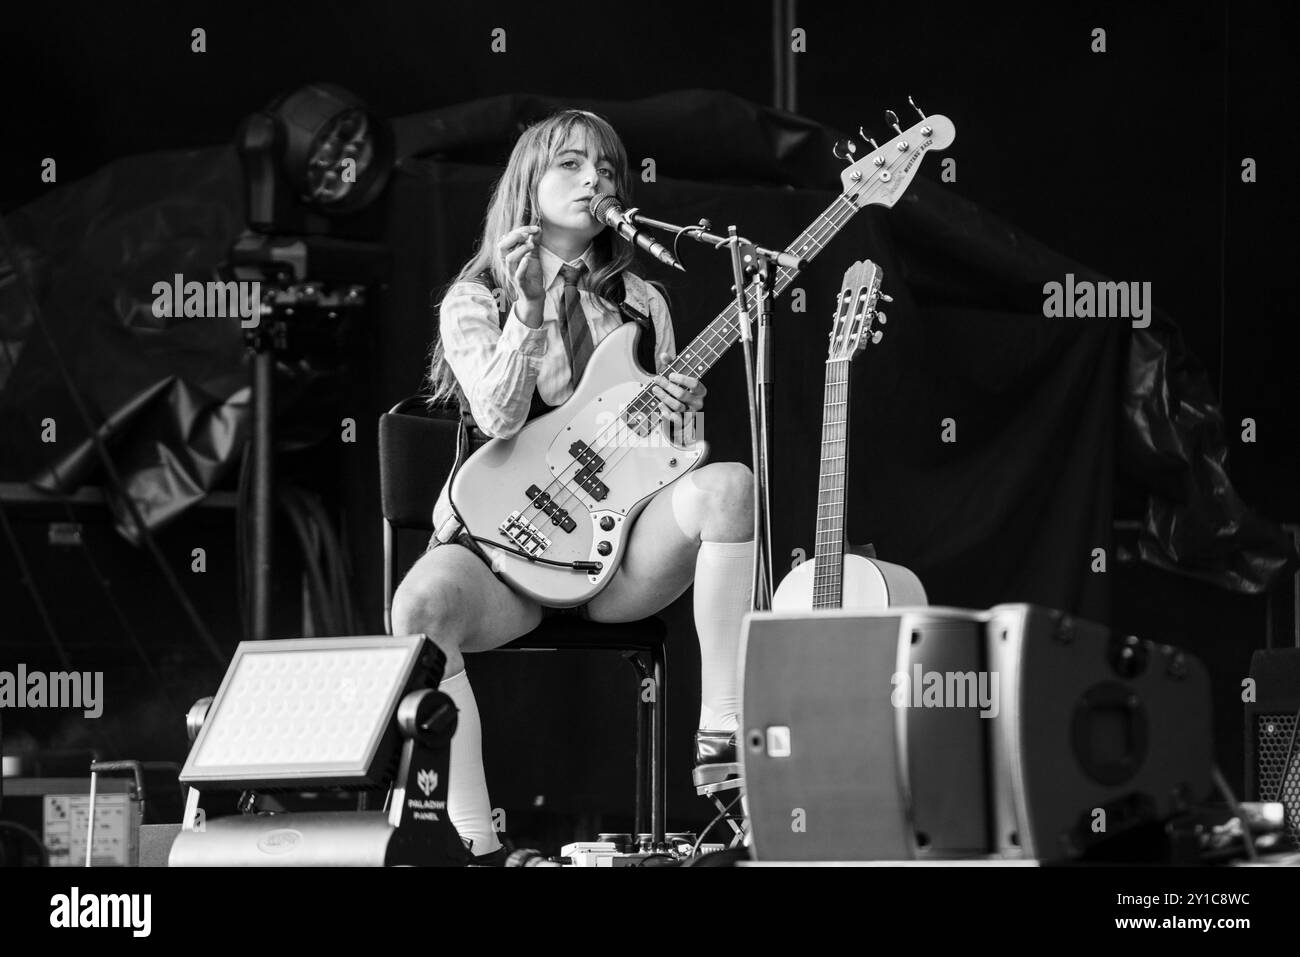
925 130
844 150
881 317
893 121
886 297
879 160
877 336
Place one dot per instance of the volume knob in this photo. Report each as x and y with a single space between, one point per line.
604 548
606 522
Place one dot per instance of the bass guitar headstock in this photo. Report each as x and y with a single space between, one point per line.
880 177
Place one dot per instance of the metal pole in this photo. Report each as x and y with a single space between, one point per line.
779 40
791 94
263 488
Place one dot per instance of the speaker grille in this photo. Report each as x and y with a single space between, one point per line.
1273 732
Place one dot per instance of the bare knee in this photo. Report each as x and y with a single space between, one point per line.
728 506
430 606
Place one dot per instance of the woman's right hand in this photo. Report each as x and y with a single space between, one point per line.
520 250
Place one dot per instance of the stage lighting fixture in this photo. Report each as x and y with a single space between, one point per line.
315 150
316 162
355 714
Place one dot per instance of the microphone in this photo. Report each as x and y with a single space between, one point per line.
608 209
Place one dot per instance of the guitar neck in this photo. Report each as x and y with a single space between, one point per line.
828 570
724 331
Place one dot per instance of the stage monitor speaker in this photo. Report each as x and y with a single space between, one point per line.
1272 742
937 733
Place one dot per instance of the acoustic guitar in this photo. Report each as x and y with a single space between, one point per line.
834 578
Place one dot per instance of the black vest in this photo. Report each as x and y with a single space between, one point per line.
645 352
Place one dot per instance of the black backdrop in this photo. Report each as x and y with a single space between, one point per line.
1128 160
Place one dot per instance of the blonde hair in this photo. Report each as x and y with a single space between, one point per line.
514 203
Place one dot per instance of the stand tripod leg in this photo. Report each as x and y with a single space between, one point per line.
724 787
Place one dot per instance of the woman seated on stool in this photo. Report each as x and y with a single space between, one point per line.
539 236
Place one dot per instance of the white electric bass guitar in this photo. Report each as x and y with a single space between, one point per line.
553 504
834 579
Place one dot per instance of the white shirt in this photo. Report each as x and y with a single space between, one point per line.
500 365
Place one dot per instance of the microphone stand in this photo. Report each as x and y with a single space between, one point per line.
764 278
757 261
761 593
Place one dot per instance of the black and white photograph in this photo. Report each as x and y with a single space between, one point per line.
771 435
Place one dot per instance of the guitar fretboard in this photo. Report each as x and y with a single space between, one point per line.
828 570
724 331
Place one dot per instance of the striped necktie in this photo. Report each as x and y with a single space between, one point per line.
577 335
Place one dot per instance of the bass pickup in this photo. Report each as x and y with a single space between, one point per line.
586 457
586 478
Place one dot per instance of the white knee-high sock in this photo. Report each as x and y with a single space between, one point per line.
468 805
723 586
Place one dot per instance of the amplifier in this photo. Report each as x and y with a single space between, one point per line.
57 810
915 733
1272 742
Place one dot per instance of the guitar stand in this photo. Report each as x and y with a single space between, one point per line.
714 781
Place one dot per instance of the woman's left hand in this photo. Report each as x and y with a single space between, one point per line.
681 399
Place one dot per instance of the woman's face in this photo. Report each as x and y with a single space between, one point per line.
565 189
